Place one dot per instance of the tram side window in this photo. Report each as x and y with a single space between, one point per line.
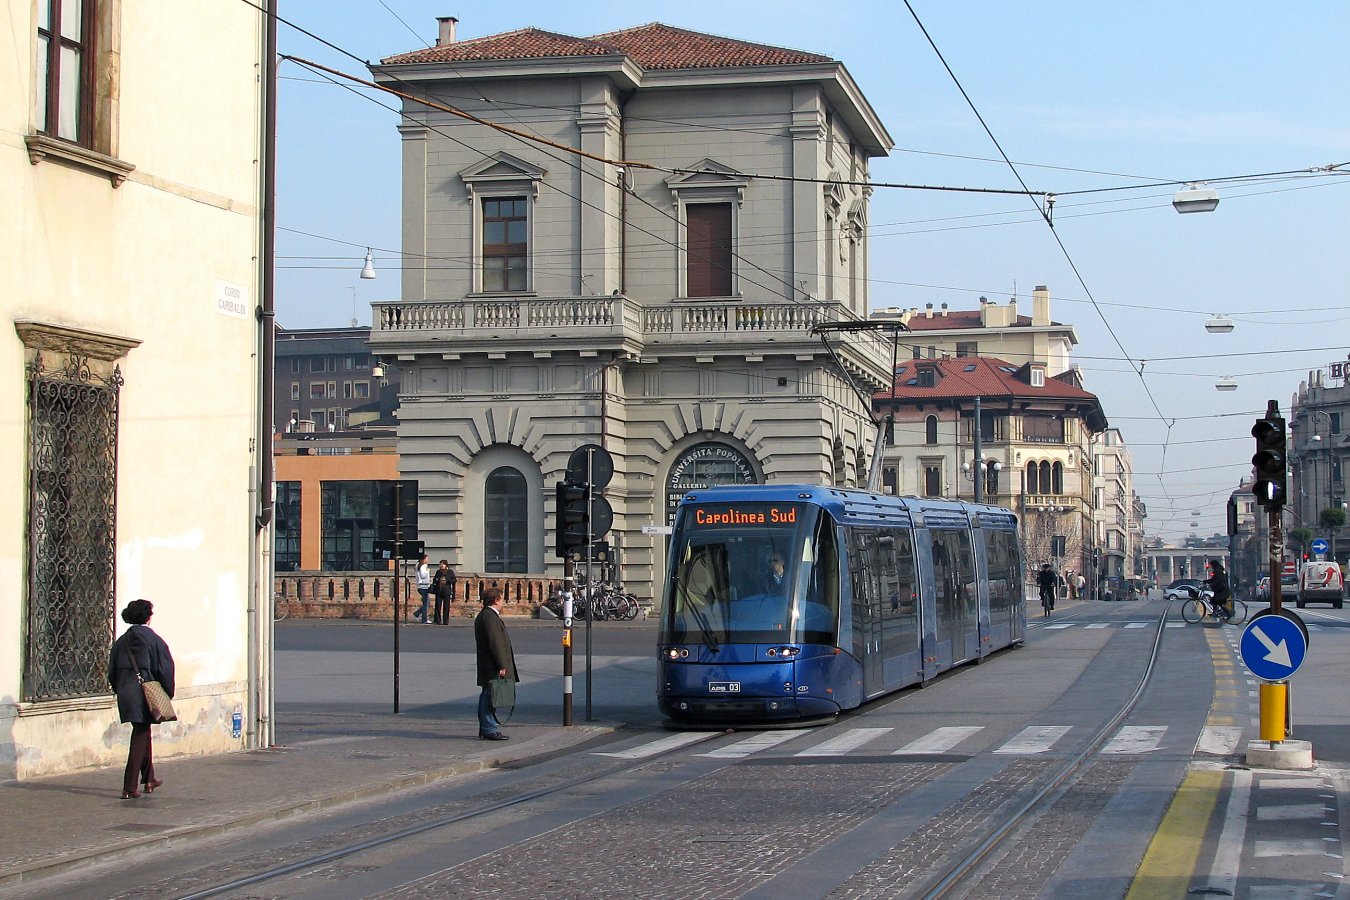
899 590
954 573
1005 577
861 572
820 602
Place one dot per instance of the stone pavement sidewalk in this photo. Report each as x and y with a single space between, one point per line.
54 825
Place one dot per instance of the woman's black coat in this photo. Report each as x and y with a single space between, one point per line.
155 661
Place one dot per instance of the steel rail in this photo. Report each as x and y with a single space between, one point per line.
957 871
405 833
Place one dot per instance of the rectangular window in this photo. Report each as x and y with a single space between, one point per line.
361 390
505 244
967 348
332 390
708 247
65 77
295 365
71 529
295 390
348 363
317 390
287 541
316 364
346 390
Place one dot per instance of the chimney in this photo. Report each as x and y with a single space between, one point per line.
445 33
1040 305
944 309
928 311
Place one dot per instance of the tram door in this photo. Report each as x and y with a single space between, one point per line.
863 573
957 596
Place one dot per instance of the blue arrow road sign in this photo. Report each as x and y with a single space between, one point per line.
1320 547
1273 647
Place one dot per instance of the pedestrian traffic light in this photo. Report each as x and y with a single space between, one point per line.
1270 485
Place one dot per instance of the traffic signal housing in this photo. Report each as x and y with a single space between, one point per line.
572 518
1269 463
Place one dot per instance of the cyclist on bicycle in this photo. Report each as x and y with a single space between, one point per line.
1047 581
1218 583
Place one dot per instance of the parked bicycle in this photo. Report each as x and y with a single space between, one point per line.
281 607
598 602
1198 608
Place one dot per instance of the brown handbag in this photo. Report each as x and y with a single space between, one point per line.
156 698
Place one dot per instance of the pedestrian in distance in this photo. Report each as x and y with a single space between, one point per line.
139 648
423 588
443 586
496 660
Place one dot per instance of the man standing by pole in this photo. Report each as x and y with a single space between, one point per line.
496 660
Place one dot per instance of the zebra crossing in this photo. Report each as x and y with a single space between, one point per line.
1129 740
1052 625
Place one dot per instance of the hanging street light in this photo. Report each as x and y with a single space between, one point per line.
368 270
1195 198
1219 324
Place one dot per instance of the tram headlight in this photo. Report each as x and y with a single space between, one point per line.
783 652
677 653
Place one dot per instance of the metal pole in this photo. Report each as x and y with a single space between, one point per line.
977 464
569 579
590 574
1276 558
398 581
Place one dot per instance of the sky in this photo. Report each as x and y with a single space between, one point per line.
1091 98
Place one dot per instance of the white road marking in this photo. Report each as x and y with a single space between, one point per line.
1136 624
1219 740
1035 739
940 740
1098 625
1310 847
1136 739
652 748
753 744
849 740
1291 812
1223 873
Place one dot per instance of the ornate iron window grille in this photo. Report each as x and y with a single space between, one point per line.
72 517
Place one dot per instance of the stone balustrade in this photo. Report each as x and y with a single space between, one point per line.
369 595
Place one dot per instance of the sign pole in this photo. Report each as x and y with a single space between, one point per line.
590 571
398 571
569 578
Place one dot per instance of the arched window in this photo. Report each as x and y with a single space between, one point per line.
930 430
506 522
1045 479
1033 479
932 481
1057 479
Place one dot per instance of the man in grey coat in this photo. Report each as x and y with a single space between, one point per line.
496 660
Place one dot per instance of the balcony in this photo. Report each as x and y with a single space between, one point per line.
618 324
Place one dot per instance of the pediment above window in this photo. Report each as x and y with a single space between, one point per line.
708 176
502 170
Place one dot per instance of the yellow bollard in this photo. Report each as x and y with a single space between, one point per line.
1274 698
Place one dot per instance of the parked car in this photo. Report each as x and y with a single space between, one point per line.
1321 581
1183 589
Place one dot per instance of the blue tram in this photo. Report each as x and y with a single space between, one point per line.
790 602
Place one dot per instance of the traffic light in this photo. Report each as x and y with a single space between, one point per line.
573 519
1270 486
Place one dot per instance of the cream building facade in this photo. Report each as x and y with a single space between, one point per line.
653 292
130 136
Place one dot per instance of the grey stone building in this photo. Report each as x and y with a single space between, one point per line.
637 263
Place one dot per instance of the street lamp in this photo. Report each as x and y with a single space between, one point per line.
1226 383
1219 324
1195 198
989 468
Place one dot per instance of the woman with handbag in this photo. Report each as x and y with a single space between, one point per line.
138 658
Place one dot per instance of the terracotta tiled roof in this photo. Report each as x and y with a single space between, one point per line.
653 46
964 377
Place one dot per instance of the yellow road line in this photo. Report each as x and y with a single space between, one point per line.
1169 863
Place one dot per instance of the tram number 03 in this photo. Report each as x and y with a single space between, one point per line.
724 687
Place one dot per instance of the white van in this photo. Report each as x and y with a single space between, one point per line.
1321 582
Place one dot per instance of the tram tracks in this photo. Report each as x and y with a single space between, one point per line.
1046 780
958 872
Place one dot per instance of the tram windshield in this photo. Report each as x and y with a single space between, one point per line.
753 573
